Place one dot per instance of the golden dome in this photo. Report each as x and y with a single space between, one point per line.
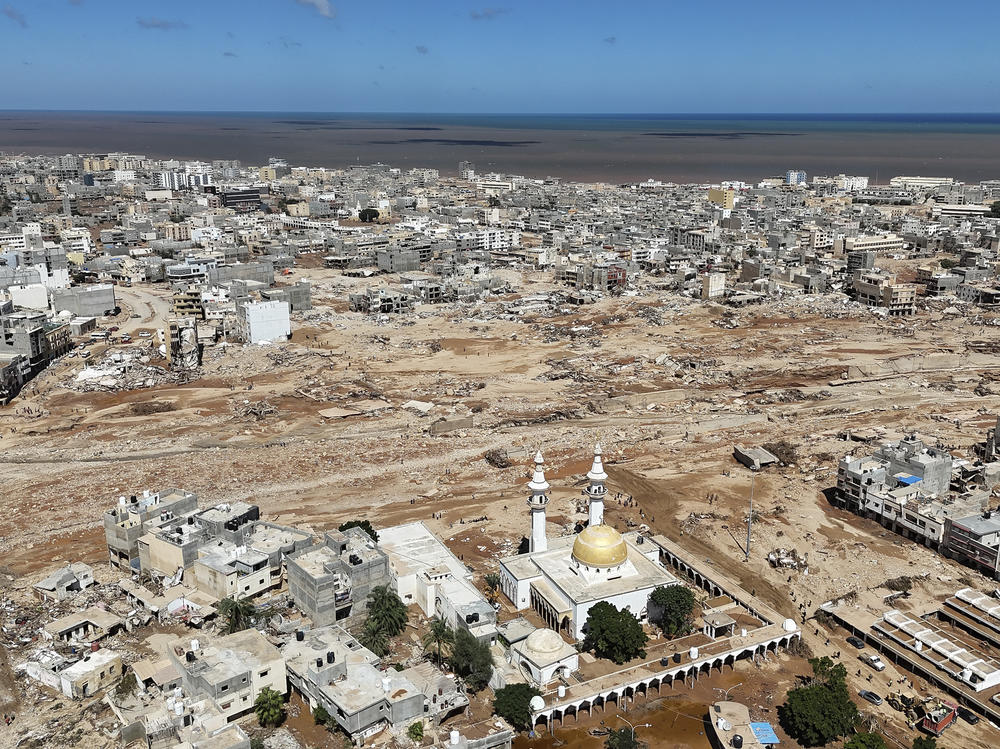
600 546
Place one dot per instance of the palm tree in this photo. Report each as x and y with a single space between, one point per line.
238 613
439 635
386 610
374 638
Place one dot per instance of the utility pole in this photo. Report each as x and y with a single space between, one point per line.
633 727
750 518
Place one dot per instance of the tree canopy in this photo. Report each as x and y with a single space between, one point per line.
386 610
925 742
367 215
269 707
439 637
622 738
513 704
672 609
865 741
614 634
374 638
364 525
472 660
238 614
821 711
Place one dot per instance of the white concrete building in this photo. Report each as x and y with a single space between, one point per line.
424 571
260 322
562 578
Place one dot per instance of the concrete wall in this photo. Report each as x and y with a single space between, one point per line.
85 301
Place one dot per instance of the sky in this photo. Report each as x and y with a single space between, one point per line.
541 56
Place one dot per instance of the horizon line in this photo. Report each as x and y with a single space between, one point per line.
504 114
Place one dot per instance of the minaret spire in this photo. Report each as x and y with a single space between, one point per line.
537 501
596 490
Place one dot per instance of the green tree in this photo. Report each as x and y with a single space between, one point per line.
513 704
416 731
321 717
995 209
865 741
614 634
821 711
472 660
257 743
364 525
492 581
367 215
674 609
374 638
238 613
126 686
622 738
387 610
947 263
825 671
926 742
269 707
439 637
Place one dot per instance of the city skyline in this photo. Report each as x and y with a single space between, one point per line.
318 56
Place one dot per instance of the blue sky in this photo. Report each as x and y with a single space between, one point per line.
525 57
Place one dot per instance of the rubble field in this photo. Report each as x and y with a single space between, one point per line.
392 418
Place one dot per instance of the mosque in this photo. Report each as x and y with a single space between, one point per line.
562 580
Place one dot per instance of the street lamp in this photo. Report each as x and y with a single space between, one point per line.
725 692
641 725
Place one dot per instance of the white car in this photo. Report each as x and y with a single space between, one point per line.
145 334
875 662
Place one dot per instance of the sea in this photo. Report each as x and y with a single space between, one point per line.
685 148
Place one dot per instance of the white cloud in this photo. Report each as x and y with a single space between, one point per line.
322 7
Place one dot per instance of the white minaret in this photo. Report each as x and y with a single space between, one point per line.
596 490
537 502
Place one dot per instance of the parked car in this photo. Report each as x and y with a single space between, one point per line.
145 334
875 662
967 715
870 696
856 642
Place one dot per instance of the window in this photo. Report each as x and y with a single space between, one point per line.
224 688
264 673
227 705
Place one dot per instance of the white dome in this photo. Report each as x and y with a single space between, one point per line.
536 703
544 642
789 625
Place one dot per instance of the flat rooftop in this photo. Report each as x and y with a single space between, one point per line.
412 548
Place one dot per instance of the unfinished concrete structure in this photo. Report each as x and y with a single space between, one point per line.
332 670
231 670
383 301
130 519
330 581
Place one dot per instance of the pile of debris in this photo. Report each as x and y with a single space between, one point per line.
256 410
117 372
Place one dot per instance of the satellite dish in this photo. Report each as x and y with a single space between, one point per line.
537 703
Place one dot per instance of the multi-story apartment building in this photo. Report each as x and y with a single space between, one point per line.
881 290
